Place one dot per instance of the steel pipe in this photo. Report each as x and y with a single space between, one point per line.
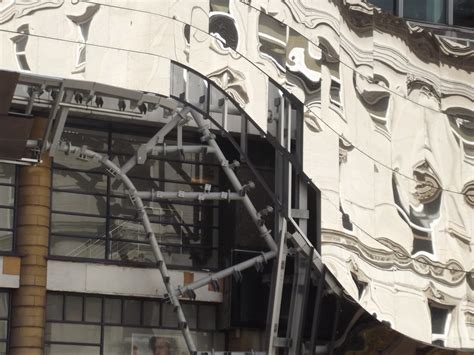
209 137
118 172
185 195
263 258
164 149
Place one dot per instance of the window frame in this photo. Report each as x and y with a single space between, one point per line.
103 323
13 207
449 312
109 217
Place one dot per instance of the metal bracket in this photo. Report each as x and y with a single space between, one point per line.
141 154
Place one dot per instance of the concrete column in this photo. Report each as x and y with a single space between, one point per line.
32 233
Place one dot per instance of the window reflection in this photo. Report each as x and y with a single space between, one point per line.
93 219
425 10
463 14
385 5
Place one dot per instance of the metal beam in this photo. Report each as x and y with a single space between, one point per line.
208 137
165 149
299 296
59 124
263 258
185 195
334 326
52 115
278 278
157 138
317 310
305 246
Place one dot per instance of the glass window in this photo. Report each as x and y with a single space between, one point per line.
127 143
7 195
62 160
78 181
272 38
197 91
89 206
126 229
7 173
74 225
6 218
4 312
385 5
178 84
207 317
3 329
169 319
6 240
73 308
131 312
54 307
335 92
4 304
463 14
190 312
113 310
60 349
93 309
129 323
219 103
439 317
79 203
72 333
425 10
77 247
119 341
151 313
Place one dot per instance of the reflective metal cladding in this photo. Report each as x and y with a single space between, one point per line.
388 133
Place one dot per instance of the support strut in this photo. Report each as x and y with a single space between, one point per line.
117 172
209 138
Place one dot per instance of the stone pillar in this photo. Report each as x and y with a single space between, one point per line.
32 233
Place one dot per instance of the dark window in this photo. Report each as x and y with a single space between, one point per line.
4 319
463 13
93 309
385 5
7 206
151 313
439 318
131 312
73 308
425 10
113 310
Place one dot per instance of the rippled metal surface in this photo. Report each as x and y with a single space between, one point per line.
388 124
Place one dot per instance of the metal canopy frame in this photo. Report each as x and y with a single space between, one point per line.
83 153
307 260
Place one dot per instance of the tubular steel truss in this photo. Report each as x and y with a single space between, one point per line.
307 261
155 147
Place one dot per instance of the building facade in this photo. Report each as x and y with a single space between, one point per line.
273 176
